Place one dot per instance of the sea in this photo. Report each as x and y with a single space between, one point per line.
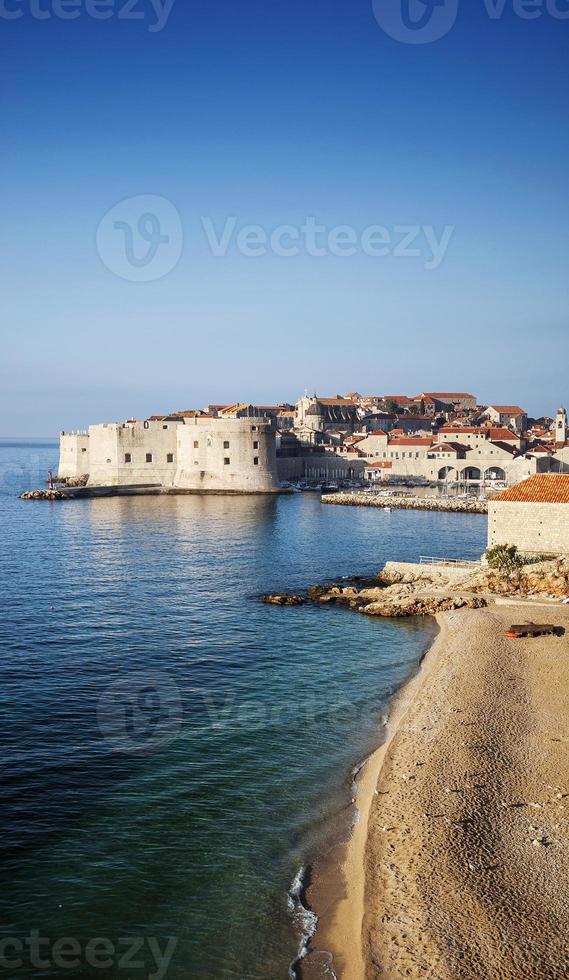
176 753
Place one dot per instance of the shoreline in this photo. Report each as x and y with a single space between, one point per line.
342 933
456 865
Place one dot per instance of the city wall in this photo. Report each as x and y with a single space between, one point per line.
202 454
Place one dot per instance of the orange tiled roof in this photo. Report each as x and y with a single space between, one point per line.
508 409
500 434
445 447
448 394
338 400
544 488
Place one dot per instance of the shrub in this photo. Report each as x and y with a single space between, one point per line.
504 557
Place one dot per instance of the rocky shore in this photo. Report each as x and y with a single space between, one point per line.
401 589
43 495
394 600
453 504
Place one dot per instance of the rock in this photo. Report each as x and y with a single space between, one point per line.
283 599
420 606
43 495
323 594
407 503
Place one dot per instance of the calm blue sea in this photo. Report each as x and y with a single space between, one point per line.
174 750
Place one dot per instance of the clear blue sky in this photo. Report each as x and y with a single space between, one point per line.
272 112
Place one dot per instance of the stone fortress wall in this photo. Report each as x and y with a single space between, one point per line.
227 454
73 454
533 528
194 454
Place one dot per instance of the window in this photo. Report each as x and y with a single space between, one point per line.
147 425
226 461
148 457
256 461
253 428
164 426
83 450
255 445
196 444
127 458
226 445
170 458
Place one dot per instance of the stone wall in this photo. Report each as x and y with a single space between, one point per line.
533 528
73 455
226 455
201 454
133 453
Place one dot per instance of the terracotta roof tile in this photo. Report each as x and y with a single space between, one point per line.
544 488
500 434
508 409
445 447
448 394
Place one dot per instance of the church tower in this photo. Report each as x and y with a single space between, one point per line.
561 427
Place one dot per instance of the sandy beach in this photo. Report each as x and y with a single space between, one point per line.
459 864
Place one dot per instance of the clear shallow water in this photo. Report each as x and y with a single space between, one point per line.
174 749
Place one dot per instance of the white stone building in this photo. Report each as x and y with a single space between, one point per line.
510 416
193 453
314 417
533 515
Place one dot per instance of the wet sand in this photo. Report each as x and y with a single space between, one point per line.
459 864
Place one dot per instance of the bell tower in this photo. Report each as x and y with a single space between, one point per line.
561 427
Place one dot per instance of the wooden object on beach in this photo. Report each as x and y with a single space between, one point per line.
533 629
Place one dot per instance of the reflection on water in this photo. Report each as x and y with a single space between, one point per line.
175 749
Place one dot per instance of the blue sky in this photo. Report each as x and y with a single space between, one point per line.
271 113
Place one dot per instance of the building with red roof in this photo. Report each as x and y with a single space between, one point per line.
533 515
